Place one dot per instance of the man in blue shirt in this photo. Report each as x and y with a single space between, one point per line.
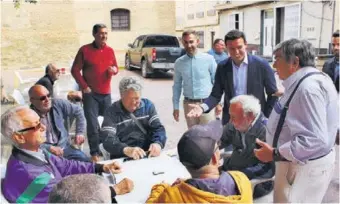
194 72
331 67
218 51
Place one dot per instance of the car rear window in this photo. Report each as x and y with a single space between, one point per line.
161 41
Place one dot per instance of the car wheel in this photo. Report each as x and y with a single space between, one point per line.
144 69
127 62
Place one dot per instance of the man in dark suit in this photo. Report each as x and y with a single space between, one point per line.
240 74
52 74
331 67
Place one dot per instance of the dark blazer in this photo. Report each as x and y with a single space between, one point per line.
243 157
260 78
47 82
329 68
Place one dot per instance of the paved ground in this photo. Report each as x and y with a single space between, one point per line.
159 90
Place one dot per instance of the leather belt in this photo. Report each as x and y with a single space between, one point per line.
284 159
194 100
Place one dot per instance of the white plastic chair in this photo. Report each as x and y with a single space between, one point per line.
18 97
3 173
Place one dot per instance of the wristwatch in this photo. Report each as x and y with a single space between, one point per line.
277 156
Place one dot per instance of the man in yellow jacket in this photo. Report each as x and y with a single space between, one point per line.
199 153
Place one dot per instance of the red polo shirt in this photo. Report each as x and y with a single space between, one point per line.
94 63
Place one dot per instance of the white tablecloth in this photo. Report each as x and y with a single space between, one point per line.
141 173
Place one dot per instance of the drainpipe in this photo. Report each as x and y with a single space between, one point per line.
333 19
323 6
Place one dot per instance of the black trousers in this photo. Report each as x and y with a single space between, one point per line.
94 105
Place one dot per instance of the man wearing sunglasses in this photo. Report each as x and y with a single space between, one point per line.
31 171
52 74
55 116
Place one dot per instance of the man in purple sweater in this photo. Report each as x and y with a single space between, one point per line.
32 172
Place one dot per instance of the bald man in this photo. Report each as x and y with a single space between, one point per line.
54 114
52 74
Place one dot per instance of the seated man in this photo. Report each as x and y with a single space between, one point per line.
246 124
94 189
32 172
198 152
55 115
52 74
131 125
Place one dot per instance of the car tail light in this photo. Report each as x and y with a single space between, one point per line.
62 70
153 54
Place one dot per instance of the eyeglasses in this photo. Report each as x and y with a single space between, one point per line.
37 127
42 98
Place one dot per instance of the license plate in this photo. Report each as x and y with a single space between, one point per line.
167 65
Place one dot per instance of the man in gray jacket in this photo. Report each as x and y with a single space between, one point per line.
55 115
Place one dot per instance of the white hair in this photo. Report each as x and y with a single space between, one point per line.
250 104
130 82
11 122
94 189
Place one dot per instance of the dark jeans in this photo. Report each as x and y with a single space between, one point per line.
72 153
94 105
259 171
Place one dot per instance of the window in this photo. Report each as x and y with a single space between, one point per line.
235 21
120 19
161 41
200 35
191 16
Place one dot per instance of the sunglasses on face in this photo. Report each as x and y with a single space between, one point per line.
42 98
37 127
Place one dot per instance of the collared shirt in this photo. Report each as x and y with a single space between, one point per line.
219 57
39 154
240 77
51 134
196 75
312 118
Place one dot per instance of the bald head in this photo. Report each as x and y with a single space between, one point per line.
52 70
40 98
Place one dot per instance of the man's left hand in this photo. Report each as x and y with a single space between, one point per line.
79 139
113 70
114 167
265 153
155 150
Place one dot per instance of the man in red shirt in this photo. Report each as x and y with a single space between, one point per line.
98 64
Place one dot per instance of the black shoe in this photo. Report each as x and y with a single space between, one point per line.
263 189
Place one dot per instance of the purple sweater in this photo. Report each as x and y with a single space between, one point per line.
29 179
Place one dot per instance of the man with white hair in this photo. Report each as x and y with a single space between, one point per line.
131 126
94 189
246 124
31 171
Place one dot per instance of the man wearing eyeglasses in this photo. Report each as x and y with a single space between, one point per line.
54 114
31 171
52 74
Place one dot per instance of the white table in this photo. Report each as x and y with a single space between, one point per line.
141 173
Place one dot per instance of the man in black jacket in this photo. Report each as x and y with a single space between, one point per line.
331 67
247 124
52 74
240 74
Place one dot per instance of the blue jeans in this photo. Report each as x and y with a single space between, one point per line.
72 153
94 105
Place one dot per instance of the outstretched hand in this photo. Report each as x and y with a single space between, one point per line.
265 153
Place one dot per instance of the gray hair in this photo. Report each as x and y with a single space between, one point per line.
250 104
302 49
81 188
130 82
11 122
